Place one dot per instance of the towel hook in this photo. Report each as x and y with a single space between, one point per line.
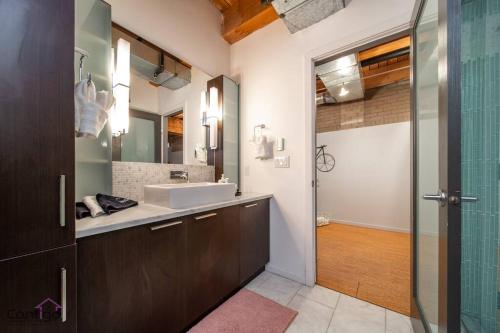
83 54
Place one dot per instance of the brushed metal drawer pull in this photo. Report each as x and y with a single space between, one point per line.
206 216
252 205
63 294
166 225
62 200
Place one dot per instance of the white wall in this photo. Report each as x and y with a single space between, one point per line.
189 29
370 184
271 65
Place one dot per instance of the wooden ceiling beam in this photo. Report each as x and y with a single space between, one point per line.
376 51
242 17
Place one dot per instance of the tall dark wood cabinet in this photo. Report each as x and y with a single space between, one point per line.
36 162
254 238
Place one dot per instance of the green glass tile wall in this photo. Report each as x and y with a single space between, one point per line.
480 162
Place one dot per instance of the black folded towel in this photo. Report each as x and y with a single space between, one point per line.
81 211
111 204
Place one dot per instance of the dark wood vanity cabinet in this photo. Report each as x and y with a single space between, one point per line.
254 238
44 281
132 280
163 277
213 259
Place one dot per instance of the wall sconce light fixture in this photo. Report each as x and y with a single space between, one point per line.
121 89
203 108
213 116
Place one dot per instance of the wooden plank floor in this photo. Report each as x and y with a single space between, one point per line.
370 264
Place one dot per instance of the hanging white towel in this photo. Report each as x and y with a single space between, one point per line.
95 114
262 148
84 92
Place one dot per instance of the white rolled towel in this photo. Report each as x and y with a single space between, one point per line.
91 202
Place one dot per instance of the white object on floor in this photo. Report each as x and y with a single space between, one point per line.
91 202
326 311
321 221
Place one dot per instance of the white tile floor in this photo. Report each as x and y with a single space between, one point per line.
326 311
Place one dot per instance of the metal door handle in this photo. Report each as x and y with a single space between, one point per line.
456 200
469 199
166 225
63 294
252 205
62 200
206 216
441 197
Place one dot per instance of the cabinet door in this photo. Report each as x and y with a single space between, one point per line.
37 290
213 259
36 125
254 238
132 280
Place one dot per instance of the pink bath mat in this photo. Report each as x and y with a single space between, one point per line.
247 312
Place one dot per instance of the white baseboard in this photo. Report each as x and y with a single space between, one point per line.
275 270
371 226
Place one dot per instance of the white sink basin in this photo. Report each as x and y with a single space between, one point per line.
188 194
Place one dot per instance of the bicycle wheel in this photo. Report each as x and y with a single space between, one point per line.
325 162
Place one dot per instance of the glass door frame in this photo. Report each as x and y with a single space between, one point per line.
449 43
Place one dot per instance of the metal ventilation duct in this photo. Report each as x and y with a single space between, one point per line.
172 74
154 65
342 78
300 14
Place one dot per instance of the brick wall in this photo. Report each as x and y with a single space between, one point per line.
384 105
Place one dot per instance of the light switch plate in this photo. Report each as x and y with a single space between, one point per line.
282 162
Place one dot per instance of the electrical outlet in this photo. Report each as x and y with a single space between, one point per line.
282 162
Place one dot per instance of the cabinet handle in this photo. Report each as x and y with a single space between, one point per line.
62 200
206 216
166 225
63 294
252 205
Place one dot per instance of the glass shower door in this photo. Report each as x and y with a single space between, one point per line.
480 113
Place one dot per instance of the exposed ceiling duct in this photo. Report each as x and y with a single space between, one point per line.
342 78
152 63
300 14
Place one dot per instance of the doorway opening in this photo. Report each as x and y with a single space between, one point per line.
363 173
173 138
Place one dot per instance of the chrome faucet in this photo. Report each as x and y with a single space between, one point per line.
179 174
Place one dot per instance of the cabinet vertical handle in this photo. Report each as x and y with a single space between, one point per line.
63 294
62 200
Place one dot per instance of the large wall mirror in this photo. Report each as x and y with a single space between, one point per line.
165 96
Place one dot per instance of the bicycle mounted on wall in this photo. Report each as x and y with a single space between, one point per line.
325 162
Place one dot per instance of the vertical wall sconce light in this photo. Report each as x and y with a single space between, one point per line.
203 108
121 89
213 116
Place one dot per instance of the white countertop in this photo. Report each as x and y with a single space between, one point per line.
145 214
